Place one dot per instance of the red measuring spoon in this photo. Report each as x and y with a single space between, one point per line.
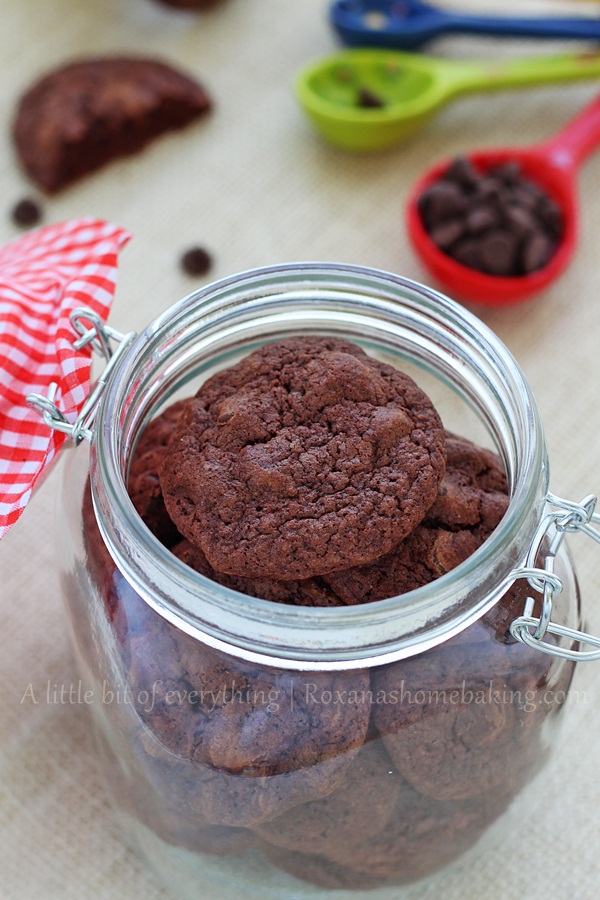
552 165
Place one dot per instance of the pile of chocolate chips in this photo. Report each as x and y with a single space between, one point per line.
497 222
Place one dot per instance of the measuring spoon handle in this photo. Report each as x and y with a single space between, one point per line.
463 77
577 140
514 26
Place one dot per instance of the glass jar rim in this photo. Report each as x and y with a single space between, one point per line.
299 637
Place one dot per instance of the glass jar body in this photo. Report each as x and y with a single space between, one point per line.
238 769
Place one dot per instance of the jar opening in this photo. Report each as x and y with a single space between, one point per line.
454 357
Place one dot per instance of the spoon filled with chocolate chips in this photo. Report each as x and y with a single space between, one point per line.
366 99
500 225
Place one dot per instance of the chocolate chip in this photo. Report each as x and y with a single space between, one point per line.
466 252
550 215
447 233
481 219
196 261
520 221
526 195
498 252
26 212
490 188
366 98
442 200
497 221
537 252
509 173
463 172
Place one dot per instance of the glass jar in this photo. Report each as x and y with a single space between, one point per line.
272 750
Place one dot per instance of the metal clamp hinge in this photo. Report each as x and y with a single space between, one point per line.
567 517
109 344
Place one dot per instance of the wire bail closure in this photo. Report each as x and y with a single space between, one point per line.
106 342
566 518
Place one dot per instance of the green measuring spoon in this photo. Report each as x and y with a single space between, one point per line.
372 99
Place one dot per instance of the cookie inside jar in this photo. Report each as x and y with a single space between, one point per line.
313 474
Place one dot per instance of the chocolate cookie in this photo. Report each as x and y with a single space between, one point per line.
241 718
242 741
223 742
138 795
471 501
307 592
420 837
359 809
308 457
463 720
143 484
109 584
318 870
234 799
82 115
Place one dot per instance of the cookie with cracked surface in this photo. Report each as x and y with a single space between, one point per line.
143 484
305 592
82 115
472 498
307 457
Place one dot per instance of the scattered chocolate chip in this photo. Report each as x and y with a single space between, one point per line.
196 261
366 98
26 212
497 222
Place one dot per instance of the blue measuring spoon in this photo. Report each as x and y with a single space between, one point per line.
409 24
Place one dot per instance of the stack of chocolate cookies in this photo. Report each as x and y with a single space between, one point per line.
312 474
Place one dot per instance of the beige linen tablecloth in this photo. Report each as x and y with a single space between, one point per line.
256 186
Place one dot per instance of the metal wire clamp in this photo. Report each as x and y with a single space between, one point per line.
566 518
108 343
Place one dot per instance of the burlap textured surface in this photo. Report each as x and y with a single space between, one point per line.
255 186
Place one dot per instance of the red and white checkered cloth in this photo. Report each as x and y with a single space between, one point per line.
43 276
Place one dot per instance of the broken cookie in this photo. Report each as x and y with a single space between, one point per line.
82 115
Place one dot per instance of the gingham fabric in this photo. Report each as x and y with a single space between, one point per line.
43 277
